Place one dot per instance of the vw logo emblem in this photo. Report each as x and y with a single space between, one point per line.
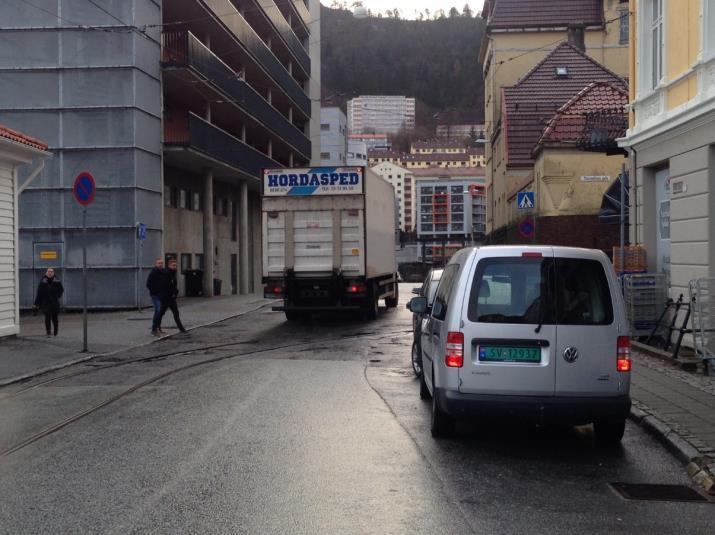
570 354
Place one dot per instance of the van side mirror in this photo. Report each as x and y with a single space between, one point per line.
418 305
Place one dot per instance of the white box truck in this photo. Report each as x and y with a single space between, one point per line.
328 240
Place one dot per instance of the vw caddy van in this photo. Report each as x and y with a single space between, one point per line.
534 332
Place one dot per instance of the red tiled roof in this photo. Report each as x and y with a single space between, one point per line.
570 121
532 102
507 14
18 137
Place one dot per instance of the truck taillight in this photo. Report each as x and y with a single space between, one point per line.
454 357
356 288
273 290
623 364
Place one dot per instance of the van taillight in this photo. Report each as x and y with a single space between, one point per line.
624 354
454 357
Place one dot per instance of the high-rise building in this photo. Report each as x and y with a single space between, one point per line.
174 107
333 137
380 114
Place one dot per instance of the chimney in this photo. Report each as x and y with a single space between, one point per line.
576 36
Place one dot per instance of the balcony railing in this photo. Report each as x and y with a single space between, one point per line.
185 129
183 49
284 29
251 41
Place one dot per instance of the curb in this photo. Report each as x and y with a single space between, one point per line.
48 369
700 466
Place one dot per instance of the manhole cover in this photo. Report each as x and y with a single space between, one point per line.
664 493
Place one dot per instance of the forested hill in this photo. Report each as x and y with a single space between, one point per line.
436 61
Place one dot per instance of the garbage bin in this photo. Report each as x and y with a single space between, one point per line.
217 286
194 282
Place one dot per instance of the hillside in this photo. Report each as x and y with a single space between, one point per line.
436 61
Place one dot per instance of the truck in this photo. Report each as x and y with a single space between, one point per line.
328 241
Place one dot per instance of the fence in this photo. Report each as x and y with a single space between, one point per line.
702 296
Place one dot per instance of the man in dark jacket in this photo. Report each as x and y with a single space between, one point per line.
153 283
168 292
48 297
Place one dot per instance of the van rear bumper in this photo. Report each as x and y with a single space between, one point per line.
570 410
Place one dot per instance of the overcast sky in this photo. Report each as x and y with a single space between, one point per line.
409 8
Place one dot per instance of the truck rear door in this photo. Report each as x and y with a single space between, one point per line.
509 328
313 241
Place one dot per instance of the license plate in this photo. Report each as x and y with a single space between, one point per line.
509 354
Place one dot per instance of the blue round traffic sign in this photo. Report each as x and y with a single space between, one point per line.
84 188
526 228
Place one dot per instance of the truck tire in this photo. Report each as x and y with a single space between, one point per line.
391 302
371 310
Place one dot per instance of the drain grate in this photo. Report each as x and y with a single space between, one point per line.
663 493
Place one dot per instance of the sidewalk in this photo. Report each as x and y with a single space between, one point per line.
678 407
33 352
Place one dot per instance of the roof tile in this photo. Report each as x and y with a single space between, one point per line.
18 137
508 14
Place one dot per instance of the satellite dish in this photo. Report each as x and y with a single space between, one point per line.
360 12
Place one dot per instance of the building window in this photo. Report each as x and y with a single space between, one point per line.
624 24
168 196
183 198
707 31
655 41
185 262
196 202
324 155
325 127
200 261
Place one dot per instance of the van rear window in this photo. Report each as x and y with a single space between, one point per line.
523 290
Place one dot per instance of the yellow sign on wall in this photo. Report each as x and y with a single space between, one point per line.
48 255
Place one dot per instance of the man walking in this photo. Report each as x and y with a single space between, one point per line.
48 297
153 283
169 291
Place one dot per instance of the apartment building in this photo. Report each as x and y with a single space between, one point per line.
174 107
333 136
380 114
459 132
402 181
671 137
372 141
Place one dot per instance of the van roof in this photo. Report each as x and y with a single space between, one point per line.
558 251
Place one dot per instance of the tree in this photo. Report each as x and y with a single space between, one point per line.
439 14
453 12
467 11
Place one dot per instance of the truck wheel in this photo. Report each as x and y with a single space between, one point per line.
372 307
442 424
391 302
292 315
609 432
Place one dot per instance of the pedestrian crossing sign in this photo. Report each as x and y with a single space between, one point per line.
525 200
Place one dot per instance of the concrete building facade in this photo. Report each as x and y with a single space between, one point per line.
671 139
402 180
380 114
174 107
333 137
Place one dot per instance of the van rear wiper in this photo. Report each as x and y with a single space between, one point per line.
541 318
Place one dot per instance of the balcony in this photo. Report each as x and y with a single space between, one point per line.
185 130
182 50
251 41
284 31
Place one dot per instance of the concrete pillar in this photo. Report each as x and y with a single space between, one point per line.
290 68
244 271
208 233
269 149
207 111
290 160
269 96
290 113
243 133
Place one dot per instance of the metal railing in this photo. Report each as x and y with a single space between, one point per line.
183 49
189 130
702 297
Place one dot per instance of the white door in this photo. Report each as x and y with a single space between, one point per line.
662 206
509 328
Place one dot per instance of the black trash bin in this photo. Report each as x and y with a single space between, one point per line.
194 282
217 286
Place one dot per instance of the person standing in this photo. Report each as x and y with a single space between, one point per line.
47 300
154 283
169 291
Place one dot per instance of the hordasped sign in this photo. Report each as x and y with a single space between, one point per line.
315 181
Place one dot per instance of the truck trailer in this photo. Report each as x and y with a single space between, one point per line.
328 241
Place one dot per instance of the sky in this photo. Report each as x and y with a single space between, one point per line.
409 8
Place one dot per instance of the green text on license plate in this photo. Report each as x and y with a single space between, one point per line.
509 354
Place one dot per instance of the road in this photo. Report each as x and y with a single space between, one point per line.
301 428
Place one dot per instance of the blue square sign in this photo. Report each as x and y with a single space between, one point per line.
525 200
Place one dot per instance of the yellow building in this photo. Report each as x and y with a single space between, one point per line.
517 38
671 138
443 146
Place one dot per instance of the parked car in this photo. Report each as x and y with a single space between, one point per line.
539 332
428 290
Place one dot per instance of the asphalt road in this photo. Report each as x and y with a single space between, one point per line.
304 428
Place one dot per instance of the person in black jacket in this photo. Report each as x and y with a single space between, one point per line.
48 297
153 283
168 292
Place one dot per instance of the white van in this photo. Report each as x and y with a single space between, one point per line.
537 332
